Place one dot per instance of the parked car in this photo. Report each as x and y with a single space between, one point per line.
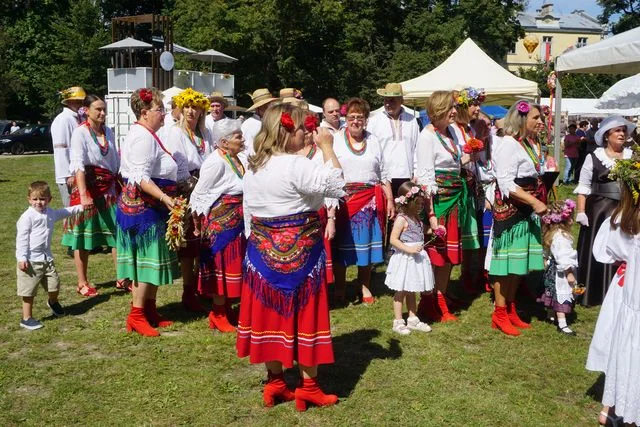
29 138
5 126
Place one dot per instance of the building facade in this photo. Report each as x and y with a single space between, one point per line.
550 34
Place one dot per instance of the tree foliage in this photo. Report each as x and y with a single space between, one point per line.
627 10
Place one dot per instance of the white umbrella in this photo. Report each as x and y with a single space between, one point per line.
129 44
212 56
624 94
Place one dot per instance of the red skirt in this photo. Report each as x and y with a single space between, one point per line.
223 275
265 336
448 250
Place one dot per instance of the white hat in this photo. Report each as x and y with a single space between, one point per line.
612 123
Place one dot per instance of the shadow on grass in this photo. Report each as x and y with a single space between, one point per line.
86 304
596 390
354 352
176 312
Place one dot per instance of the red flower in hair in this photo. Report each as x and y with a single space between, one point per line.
287 122
311 123
343 109
146 95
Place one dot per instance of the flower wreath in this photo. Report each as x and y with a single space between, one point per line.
191 98
415 191
523 108
558 216
146 95
287 122
628 171
470 96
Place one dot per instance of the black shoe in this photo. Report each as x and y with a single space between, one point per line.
56 308
565 330
70 252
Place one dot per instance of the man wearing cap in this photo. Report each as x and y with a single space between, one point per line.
331 115
61 129
398 133
261 99
216 116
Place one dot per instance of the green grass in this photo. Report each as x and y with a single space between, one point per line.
84 369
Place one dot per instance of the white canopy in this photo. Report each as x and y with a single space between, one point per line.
623 94
619 54
213 56
128 43
587 107
469 66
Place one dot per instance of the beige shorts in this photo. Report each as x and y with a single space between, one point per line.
38 273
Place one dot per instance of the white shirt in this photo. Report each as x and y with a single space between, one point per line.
250 129
566 259
217 177
33 239
212 127
512 161
143 158
85 151
61 130
586 173
169 123
295 185
432 155
14 129
368 168
184 151
398 139
332 130
318 158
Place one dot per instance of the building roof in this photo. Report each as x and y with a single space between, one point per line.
546 19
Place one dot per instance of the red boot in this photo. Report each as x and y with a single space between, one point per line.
152 315
137 322
500 320
218 319
276 389
442 305
190 301
514 318
427 308
310 393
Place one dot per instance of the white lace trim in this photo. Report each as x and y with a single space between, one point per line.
136 176
331 203
582 189
333 185
607 161
201 203
76 166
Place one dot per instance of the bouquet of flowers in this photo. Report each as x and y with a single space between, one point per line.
175 225
474 145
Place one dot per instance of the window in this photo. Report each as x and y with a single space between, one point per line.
512 49
582 41
545 48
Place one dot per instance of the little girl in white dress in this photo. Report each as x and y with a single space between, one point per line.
409 270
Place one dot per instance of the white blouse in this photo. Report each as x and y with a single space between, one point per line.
512 161
250 129
586 173
566 259
143 158
398 139
86 152
368 168
432 155
288 184
318 158
185 152
217 177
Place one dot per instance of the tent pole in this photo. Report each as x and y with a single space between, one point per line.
556 121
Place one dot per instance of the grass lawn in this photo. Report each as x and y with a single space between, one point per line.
84 369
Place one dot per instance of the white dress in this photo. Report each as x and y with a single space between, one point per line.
217 177
187 155
410 272
566 258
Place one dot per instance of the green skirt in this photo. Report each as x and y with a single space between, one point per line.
88 230
150 261
518 250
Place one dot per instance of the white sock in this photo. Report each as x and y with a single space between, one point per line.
562 322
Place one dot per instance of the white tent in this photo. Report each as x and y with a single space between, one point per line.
619 54
624 94
414 113
470 66
587 107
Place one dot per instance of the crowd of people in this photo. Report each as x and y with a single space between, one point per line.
278 206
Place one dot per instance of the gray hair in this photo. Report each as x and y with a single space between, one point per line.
225 129
514 121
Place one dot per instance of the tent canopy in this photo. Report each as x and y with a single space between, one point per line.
619 54
128 43
494 111
501 86
587 107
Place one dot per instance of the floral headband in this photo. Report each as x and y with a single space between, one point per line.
415 191
523 108
191 98
628 171
557 217
470 96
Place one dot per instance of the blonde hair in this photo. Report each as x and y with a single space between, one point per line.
515 122
273 137
137 104
627 212
548 230
461 109
39 188
439 104
200 125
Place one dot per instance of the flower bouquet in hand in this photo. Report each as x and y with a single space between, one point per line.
438 233
474 145
175 225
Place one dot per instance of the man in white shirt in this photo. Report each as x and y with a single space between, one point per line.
331 115
398 133
61 129
261 99
216 116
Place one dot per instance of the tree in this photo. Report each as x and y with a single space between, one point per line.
628 11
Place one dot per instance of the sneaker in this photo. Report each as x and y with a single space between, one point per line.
414 323
56 308
400 328
30 324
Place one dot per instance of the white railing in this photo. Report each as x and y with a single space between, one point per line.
126 80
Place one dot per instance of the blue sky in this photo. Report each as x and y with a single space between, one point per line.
563 7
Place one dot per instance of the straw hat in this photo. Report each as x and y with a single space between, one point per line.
75 93
287 92
391 90
218 97
260 97
612 123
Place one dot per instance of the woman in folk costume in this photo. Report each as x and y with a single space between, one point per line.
94 161
598 196
368 204
216 203
439 162
516 248
190 144
614 348
284 315
149 173
468 102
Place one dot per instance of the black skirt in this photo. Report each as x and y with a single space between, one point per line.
595 275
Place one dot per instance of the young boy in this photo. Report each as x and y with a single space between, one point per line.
33 252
